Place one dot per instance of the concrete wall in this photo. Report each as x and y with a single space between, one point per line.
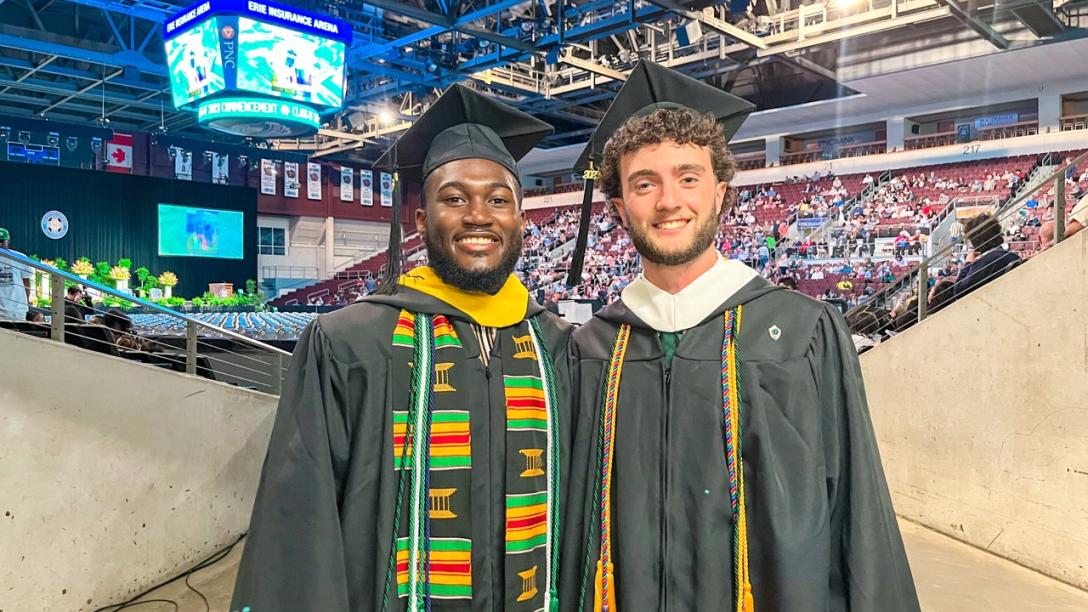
116 475
982 415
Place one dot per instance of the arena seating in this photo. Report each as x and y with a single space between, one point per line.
923 192
259 325
353 276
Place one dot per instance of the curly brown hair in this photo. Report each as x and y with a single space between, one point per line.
680 125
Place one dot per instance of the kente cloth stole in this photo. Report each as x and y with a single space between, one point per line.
604 593
432 522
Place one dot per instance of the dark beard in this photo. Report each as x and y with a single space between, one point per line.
485 281
704 238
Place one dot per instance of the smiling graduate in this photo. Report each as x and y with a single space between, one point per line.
722 436
414 462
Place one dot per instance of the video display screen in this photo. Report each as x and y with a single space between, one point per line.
185 231
196 66
286 63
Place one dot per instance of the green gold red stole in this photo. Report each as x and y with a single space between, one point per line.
431 558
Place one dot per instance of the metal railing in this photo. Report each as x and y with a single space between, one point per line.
380 247
303 272
951 272
203 349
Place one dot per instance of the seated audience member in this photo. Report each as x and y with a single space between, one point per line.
865 326
75 308
1078 218
940 295
788 282
122 328
35 316
987 259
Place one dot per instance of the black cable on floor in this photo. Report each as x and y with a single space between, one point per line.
177 608
210 560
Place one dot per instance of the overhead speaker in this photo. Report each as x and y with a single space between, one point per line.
689 33
355 120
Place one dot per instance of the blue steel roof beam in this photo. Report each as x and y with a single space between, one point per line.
83 91
116 32
144 98
64 89
88 109
34 14
451 23
391 72
599 29
615 24
147 39
378 49
590 7
32 71
144 9
92 107
119 59
596 95
72 73
374 49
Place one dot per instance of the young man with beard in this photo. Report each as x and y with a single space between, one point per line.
415 459
721 429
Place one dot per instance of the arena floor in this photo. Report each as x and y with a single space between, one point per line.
951 577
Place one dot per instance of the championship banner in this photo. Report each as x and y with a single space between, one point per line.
183 165
366 187
268 177
220 168
313 181
387 189
290 179
347 190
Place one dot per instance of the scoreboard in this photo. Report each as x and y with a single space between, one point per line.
256 68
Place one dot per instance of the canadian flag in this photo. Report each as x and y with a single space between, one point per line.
119 153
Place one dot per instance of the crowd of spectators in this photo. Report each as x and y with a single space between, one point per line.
843 264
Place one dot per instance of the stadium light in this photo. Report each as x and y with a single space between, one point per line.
846 4
385 116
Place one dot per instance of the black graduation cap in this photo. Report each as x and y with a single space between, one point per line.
650 87
461 124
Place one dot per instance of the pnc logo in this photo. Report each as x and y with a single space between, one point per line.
227 32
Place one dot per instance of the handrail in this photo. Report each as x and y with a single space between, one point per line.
137 300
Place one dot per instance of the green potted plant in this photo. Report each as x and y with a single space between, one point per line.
142 273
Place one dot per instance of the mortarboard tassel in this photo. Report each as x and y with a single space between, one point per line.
574 276
393 260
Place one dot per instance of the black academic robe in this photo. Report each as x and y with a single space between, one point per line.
822 533
321 530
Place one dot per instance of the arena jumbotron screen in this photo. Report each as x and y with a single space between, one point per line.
227 50
185 231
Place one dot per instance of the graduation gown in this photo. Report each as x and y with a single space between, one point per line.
821 530
322 523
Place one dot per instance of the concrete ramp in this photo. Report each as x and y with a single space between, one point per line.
114 475
982 416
